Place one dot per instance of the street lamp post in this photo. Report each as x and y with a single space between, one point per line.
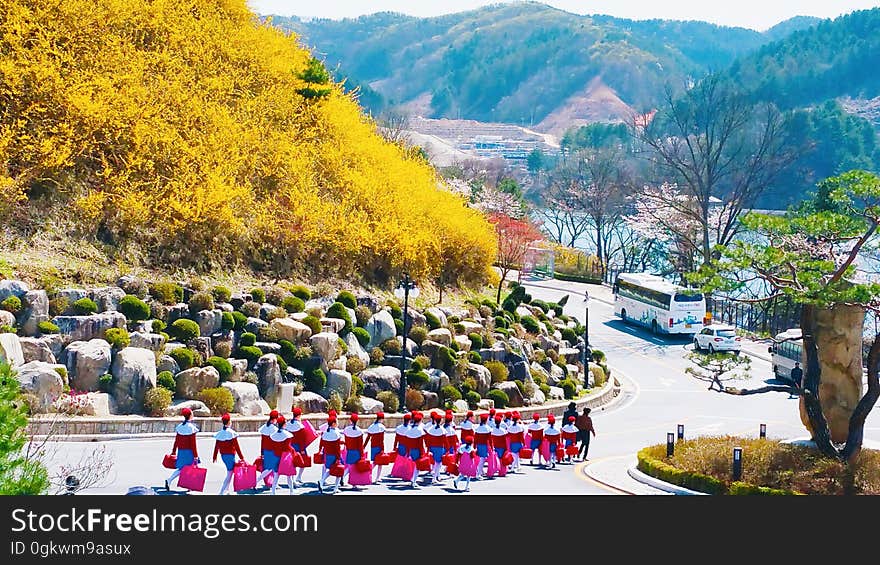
586 328
406 287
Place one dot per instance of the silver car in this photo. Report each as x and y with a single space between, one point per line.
717 337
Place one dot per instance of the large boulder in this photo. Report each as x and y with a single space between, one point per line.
548 343
151 341
35 309
12 288
245 396
268 347
253 325
514 396
464 342
85 328
167 363
432 400
41 380
355 349
36 349
326 345
268 377
338 382
460 405
291 330
381 328
310 402
86 362
439 314
471 327
239 368
535 366
519 368
10 349
209 321
557 374
377 379
7 319
284 402
416 318
96 404
333 325
537 397
71 295
482 375
412 348
192 381
493 354
370 405
571 354
265 310
320 304
134 372
556 393
177 312
107 298
202 345
437 380
431 349
198 408
442 336
369 301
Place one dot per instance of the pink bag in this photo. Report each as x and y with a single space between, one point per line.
403 468
269 479
244 477
357 477
286 466
545 451
468 465
492 464
309 434
192 477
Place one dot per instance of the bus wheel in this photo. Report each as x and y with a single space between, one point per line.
654 328
623 315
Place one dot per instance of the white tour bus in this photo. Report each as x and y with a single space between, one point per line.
658 304
785 353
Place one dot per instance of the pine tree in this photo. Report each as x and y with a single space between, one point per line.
20 471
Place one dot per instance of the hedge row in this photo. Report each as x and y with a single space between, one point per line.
577 278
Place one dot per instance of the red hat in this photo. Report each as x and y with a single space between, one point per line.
470 413
331 412
536 416
484 417
551 418
281 419
498 417
571 418
418 417
186 412
449 417
331 420
273 414
297 411
516 414
353 417
491 411
449 412
380 415
435 415
406 417
225 418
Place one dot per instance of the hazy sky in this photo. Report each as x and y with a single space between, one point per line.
755 14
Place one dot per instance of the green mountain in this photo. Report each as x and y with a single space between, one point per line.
521 62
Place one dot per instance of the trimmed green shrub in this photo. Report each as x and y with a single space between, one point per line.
157 400
446 360
134 308
357 385
249 352
453 345
564 300
499 397
227 321
354 365
292 304
347 299
396 311
414 399
167 293
503 331
105 382
362 335
452 319
184 330
377 356
569 388
417 379
353 404
598 355
224 367
218 400
390 401
247 339
476 340
569 336
740 488
418 334
549 326
315 380
545 388
221 293
166 379
158 326
530 324
398 325
499 371
557 309
118 338
432 321
449 394
458 328
62 372
501 322
301 292
185 358
200 301
474 357
282 364
391 346
250 309
362 316
416 365
259 295
240 321
423 360
47 327
288 351
82 307
541 304
337 310
665 472
313 323
473 398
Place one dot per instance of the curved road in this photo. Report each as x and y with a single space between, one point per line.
656 396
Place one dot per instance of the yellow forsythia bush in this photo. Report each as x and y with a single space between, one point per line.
192 132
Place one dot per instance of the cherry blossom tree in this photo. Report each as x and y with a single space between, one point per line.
514 239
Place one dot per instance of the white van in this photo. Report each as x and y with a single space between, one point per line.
658 304
786 353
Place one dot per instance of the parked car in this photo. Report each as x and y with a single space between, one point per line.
717 337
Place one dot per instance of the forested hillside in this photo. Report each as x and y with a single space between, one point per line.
185 133
519 62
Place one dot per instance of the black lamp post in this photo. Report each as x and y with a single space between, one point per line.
406 287
586 328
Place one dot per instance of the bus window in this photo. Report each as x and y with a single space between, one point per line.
688 297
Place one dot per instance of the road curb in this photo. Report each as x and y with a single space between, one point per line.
661 485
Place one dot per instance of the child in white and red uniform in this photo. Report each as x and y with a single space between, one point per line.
354 443
516 439
451 437
330 447
499 437
266 430
467 426
400 443
482 437
435 442
467 467
226 445
376 441
280 439
536 437
415 444
569 436
184 446
552 437
297 443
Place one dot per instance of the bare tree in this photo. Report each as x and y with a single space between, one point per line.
718 368
713 142
393 125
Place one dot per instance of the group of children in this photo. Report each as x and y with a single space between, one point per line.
495 444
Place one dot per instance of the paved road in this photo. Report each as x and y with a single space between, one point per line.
657 395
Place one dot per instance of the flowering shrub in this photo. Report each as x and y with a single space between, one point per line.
73 403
